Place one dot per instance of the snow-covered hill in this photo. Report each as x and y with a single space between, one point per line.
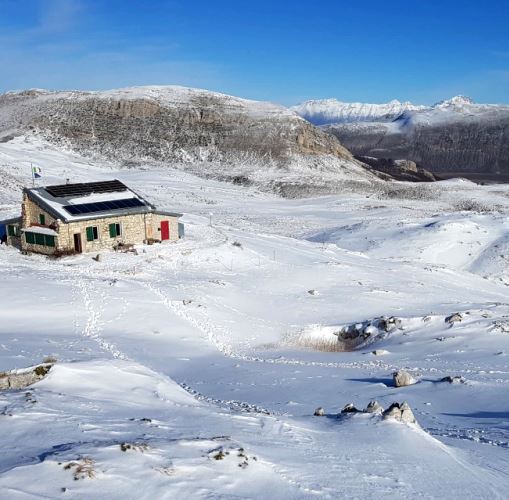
207 133
327 111
186 370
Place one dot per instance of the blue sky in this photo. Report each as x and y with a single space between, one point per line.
287 52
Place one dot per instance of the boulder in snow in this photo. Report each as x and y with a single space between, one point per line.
374 407
456 379
401 378
379 352
319 412
400 412
389 324
454 318
350 408
19 379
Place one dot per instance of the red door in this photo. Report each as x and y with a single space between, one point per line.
165 230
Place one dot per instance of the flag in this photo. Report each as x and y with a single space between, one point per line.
36 172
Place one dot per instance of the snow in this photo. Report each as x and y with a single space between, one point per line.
327 111
395 114
98 197
40 230
172 95
191 350
57 204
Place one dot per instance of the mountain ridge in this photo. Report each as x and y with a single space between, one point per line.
206 133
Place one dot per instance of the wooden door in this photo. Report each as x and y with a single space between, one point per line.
77 243
165 230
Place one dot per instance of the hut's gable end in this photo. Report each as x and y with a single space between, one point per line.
31 214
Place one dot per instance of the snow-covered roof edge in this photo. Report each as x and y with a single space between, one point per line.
33 194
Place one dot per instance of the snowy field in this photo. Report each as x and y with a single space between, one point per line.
192 369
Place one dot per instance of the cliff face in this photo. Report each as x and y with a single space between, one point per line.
208 133
450 137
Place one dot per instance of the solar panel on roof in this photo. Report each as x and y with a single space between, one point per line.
83 189
101 206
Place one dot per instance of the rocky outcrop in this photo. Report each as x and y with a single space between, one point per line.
19 379
207 133
400 412
457 137
401 170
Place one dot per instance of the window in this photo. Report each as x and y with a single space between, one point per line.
115 230
46 240
12 230
42 219
92 233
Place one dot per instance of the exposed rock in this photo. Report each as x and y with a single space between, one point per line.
319 412
407 414
20 379
401 170
374 407
379 352
350 408
313 292
456 379
454 318
401 378
400 412
388 324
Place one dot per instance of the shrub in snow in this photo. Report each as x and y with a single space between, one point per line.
474 206
401 378
82 469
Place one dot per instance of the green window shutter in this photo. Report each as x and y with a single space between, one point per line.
49 240
113 231
90 233
39 239
11 231
42 219
30 238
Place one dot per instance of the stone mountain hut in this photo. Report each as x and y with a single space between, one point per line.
88 217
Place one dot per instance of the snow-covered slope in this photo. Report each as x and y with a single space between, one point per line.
327 111
207 133
182 371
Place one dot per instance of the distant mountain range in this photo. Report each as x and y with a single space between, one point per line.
455 135
328 111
